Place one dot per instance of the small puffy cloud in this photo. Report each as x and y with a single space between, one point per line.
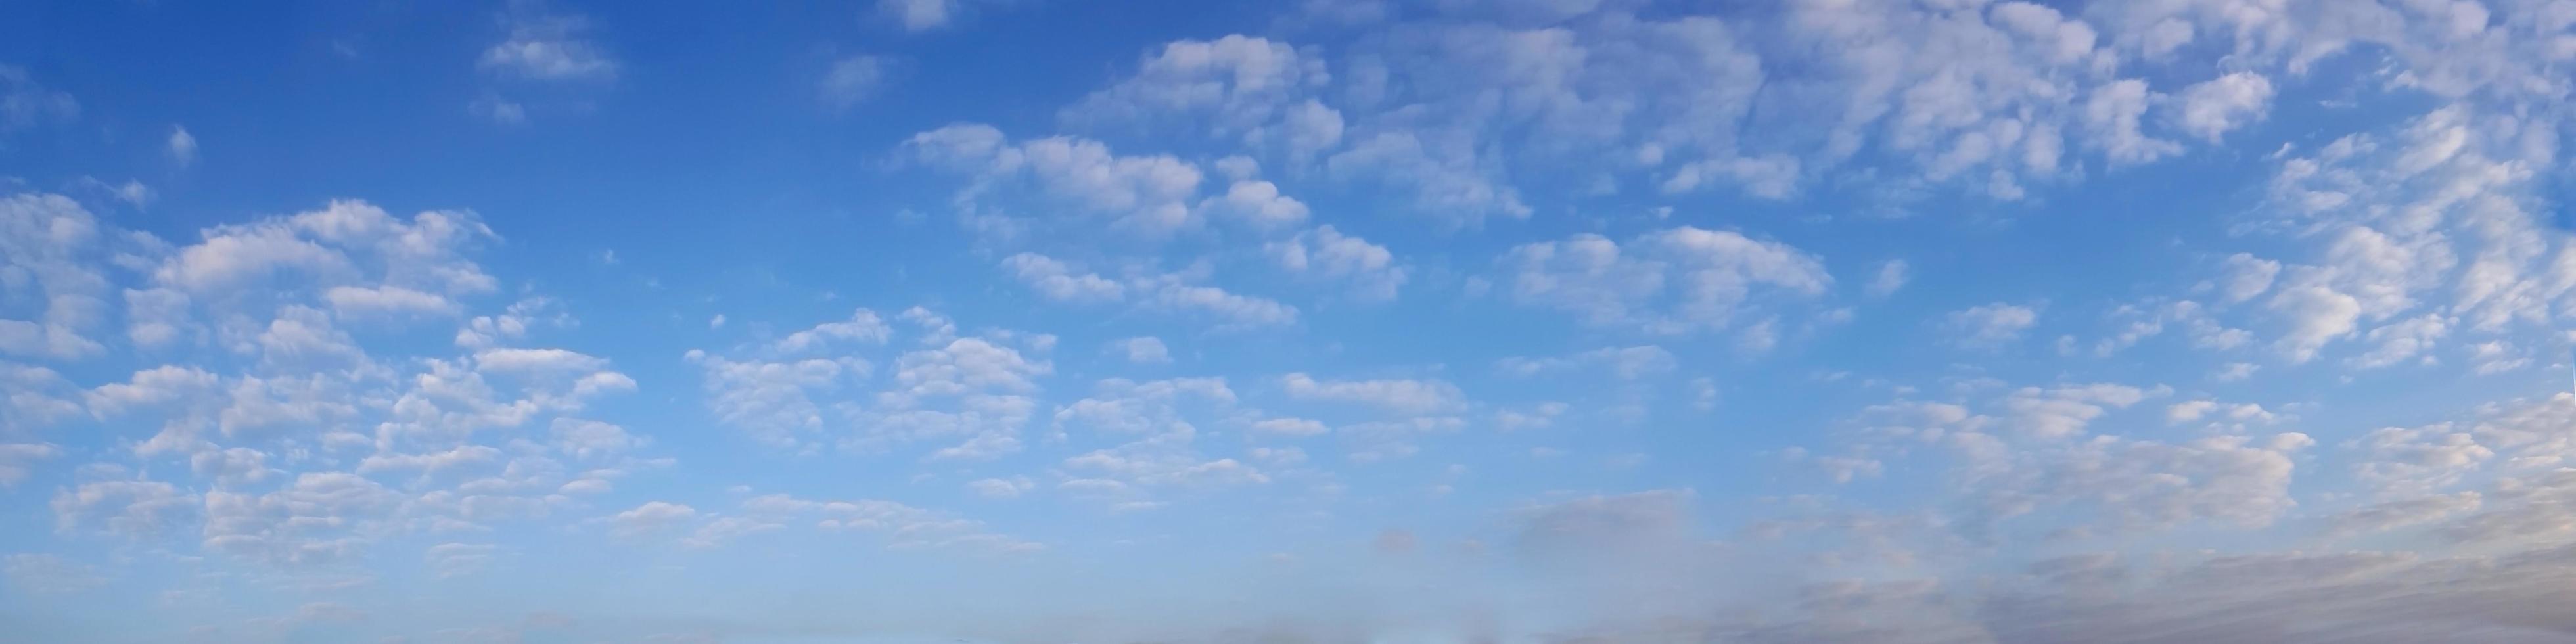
182 146
25 104
863 326
1257 204
1891 275
1010 488
2214 107
853 80
920 15
2317 315
1327 253
46 574
2113 115
1290 427
556 361
1144 350
1149 196
547 48
383 301
2247 276
1400 396
18 460
1628 363
591 439
650 518
1060 282
1991 325
1674 281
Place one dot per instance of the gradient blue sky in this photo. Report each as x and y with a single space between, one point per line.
1457 321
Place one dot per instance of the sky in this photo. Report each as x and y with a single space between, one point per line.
1324 321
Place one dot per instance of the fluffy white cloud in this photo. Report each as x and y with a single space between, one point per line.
863 326
1398 396
1148 195
361 302
2212 108
853 80
25 104
2247 276
548 48
1675 281
1144 350
921 15
1257 204
18 460
1627 363
1991 325
1000 488
1891 275
1291 427
650 518
1327 253
537 361
1255 91
181 146
1059 282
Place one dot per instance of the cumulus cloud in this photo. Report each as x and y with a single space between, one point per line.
1324 252
182 146
1991 325
1676 281
1400 396
546 47
1144 350
852 80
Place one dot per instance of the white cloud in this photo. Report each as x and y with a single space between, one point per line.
2401 341
182 146
1290 427
1628 363
1991 325
1676 281
2247 277
25 104
853 80
1242 88
362 302
18 460
548 48
556 361
1001 488
1144 195
458 559
46 574
1257 204
1399 396
591 439
1144 350
863 326
1059 282
1324 252
2064 412
2112 115
2214 107
2317 315
920 15
2417 460
499 110
1227 308
650 518
1891 275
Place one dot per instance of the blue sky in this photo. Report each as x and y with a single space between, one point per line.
1947 321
